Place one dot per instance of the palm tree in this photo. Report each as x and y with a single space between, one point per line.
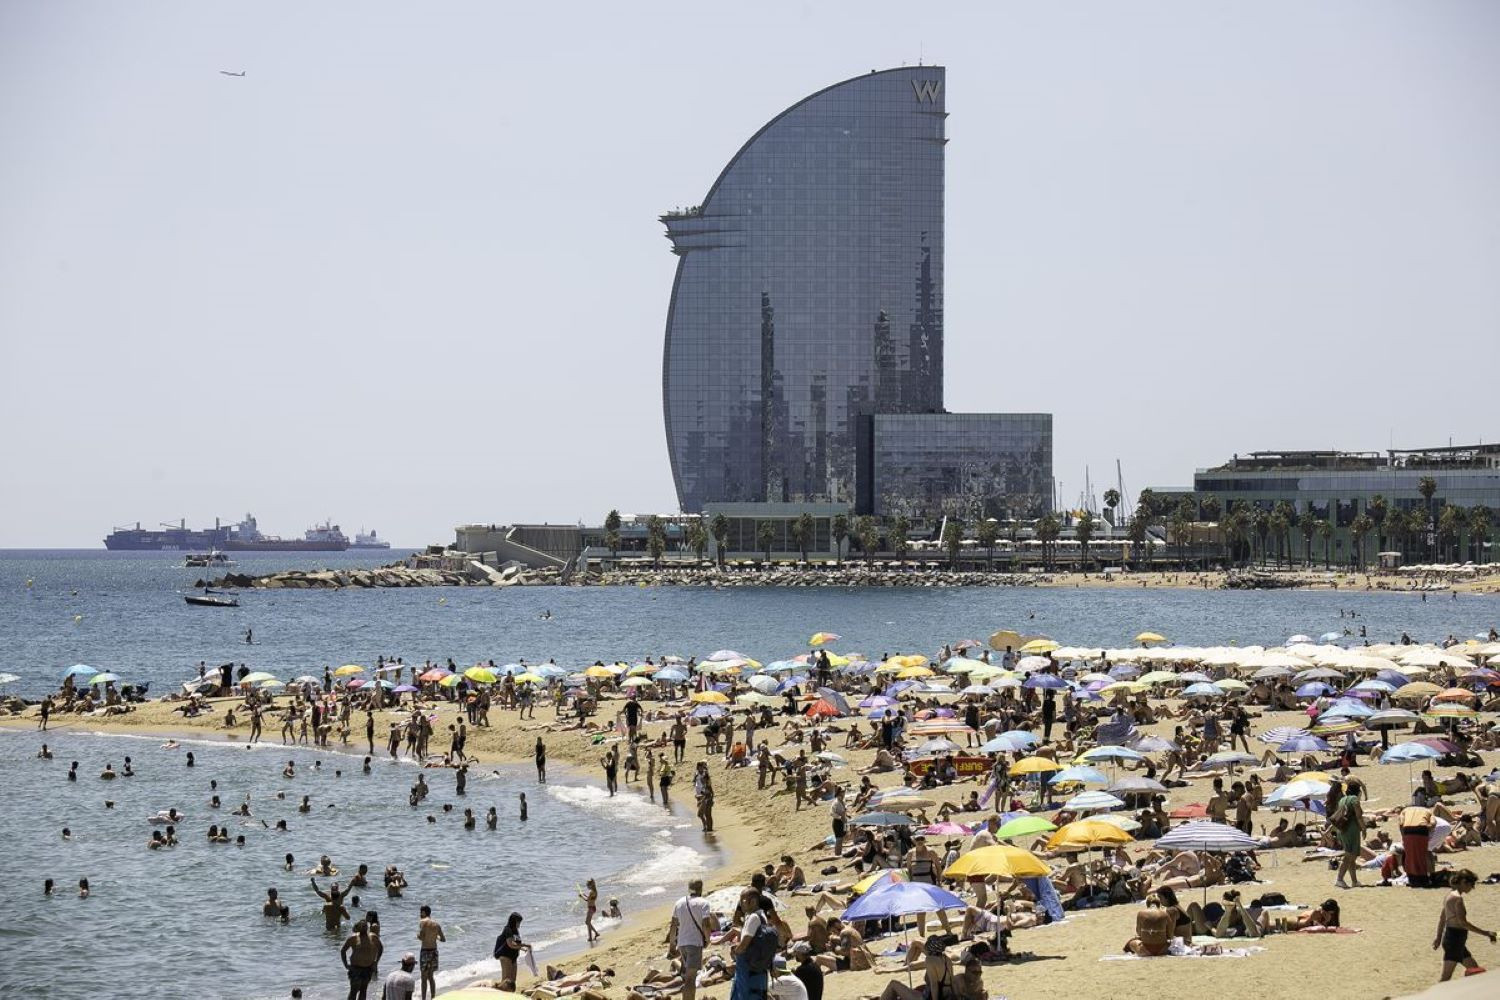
1325 532
1283 530
719 528
1210 509
656 539
765 537
1182 526
953 537
1237 533
612 533
1395 531
1278 525
1136 532
1308 525
840 530
804 531
1261 522
900 536
1417 527
1450 526
1047 530
868 534
1479 530
1111 504
1427 486
1148 502
1358 529
987 533
1083 530
1378 508
698 537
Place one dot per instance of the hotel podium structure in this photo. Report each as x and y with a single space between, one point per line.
807 316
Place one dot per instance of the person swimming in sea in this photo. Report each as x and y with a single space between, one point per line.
333 903
108 774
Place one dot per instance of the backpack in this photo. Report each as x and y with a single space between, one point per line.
763 947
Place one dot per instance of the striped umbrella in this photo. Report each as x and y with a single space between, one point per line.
1112 753
1136 784
1206 835
1090 801
1304 744
1281 734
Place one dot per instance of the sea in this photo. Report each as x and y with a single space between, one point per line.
185 923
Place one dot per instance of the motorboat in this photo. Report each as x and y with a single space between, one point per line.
212 599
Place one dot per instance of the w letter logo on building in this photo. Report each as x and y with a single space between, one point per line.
927 90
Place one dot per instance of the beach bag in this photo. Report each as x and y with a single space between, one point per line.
763 947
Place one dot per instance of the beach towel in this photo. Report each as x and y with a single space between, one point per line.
1046 896
1178 951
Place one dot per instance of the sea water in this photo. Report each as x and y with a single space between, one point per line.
123 611
185 922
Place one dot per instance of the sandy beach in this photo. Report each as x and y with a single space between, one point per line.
1391 954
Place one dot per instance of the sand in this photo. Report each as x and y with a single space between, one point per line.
1391 956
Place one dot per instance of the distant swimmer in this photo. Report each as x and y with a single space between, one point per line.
44 753
108 774
272 906
73 772
250 636
545 616
128 771
325 867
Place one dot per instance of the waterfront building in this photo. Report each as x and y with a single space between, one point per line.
808 306
1385 487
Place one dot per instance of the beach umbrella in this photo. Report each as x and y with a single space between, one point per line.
877 701
1027 664
631 682
1269 673
104 678
721 655
1454 694
1374 684
1391 718
1080 773
1301 788
1127 823
1349 708
1090 801
1437 743
1313 689
1039 646
1003 744
1408 753
1281 734
1334 725
272 683
1135 785
1330 637
883 819
1159 677
823 709
829 757
1298 638
435 674
1112 753
671 675
1202 691
977 689
357 683
1005 638
898 899
709 697
1193 810
1229 758
1306 743
1035 765
907 673
900 798
823 638
349 669
597 673
1086 834
1046 682
1149 637
1152 744
764 683
1205 835
962 665
947 828
1024 826
403 689
80 670
1133 687
1231 684
1318 674
708 712
452 680
480 675
999 860
257 677
1445 710
936 746
534 678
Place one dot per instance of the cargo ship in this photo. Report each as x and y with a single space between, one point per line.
370 541
242 537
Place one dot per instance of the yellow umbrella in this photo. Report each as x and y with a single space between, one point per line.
599 673
823 638
863 885
1232 684
1003 638
998 859
1146 637
530 678
1322 776
1040 646
907 672
348 669
1134 687
710 697
1087 833
835 660
1035 765
986 670
480 675
1416 689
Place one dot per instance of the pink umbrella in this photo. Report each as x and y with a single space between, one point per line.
947 829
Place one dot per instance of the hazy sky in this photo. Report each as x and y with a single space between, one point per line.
407 272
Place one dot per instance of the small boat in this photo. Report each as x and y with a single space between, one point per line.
207 559
212 599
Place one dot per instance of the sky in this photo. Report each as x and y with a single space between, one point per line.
407 272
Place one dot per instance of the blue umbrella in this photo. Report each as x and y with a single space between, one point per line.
1349 708
1004 744
897 899
1313 689
1079 773
1124 671
883 819
708 712
1373 684
1409 753
80 670
1306 743
670 674
1202 690
1022 736
513 669
1046 681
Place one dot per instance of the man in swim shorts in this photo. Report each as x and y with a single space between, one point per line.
429 933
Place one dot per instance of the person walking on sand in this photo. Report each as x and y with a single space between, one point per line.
1348 819
692 923
429 933
611 771
664 781
1454 927
591 902
703 790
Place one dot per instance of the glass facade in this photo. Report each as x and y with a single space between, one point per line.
967 465
808 294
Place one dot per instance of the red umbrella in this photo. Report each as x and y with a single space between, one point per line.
1193 810
822 710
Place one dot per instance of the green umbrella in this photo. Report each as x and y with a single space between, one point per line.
104 678
1023 825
